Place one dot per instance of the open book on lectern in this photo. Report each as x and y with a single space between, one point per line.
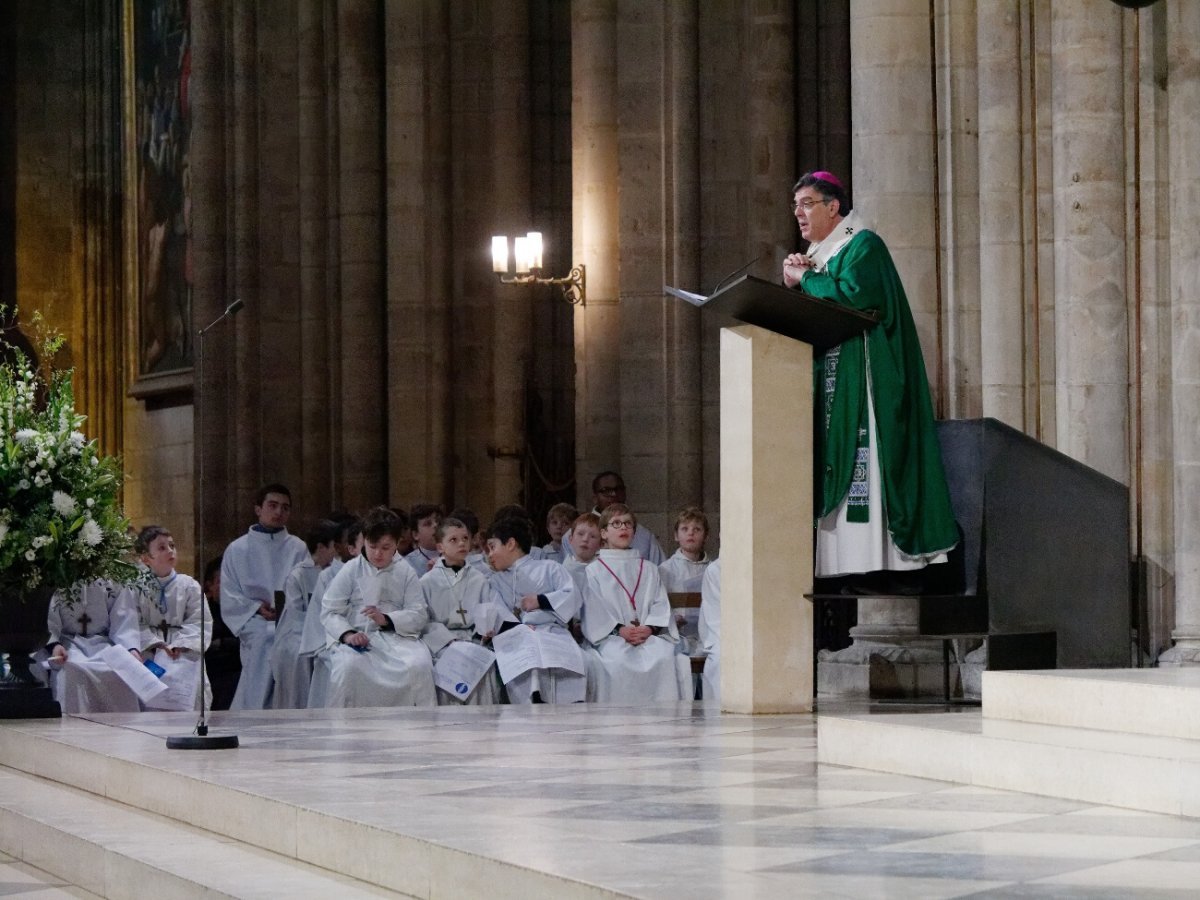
785 311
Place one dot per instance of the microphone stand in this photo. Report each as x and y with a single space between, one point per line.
201 739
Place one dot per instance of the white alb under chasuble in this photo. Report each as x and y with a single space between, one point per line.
549 579
396 669
624 589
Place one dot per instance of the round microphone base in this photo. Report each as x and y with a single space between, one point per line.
205 742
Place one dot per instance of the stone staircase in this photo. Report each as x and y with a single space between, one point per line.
1122 737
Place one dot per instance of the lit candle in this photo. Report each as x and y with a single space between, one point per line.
521 254
500 254
534 246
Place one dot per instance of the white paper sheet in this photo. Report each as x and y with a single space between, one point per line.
140 679
460 668
520 649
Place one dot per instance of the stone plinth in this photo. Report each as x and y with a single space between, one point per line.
766 504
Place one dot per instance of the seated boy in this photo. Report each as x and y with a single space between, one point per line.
170 619
627 617
313 642
539 594
373 613
476 553
293 671
516 511
585 538
424 518
683 572
558 522
454 592
104 615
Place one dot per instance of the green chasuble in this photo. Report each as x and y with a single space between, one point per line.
919 517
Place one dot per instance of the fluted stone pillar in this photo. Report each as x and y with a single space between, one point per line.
1091 314
1183 49
595 235
511 331
682 227
955 49
1005 205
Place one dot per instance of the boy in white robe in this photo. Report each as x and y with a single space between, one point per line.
710 634
373 613
253 568
584 536
292 671
542 595
558 522
170 624
104 615
476 554
314 645
684 571
425 518
454 592
609 487
627 618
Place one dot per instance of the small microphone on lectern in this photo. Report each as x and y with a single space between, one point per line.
234 307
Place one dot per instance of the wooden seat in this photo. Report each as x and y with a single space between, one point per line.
688 600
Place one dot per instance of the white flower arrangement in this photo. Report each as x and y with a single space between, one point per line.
60 523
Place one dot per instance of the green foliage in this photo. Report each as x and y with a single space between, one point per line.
60 522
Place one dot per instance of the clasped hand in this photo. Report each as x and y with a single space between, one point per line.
794 267
373 613
636 634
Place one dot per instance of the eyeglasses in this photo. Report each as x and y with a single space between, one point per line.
807 205
621 524
610 489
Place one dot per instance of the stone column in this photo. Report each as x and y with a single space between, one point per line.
418 180
512 306
1183 49
1006 202
682 227
1091 315
958 225
358 149
595 237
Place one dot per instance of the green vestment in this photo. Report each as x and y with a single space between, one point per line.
862 276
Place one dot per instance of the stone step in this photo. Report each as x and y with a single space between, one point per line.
113 850
1149 773
1156 702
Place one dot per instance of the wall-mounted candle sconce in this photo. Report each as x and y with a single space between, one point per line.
527 266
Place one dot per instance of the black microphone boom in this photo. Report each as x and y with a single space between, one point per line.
738 271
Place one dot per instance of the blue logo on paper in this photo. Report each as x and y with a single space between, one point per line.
462 688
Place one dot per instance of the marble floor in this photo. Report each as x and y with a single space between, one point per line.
674 801
19 880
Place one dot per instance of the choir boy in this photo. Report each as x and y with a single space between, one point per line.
540 595
683 572
252 571
313 641
454 593
292 670
627 618
424 518
170 624
373 613
558 522
103 616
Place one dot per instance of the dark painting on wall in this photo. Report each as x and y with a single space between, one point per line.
161 68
